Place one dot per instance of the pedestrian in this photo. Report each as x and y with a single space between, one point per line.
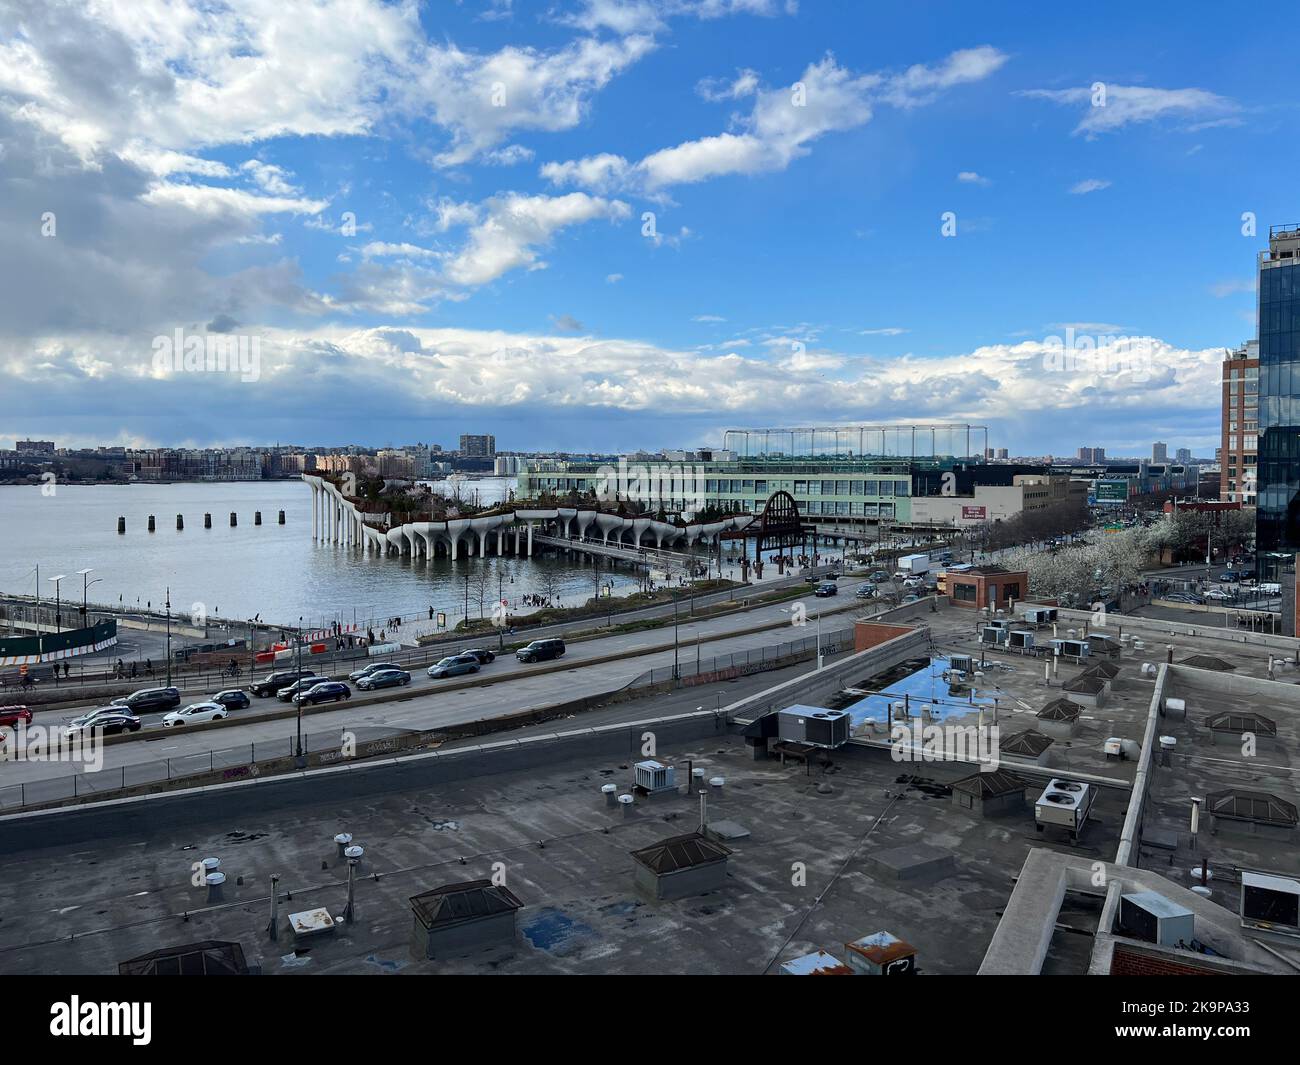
65 670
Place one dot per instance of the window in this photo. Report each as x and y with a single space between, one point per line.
963 593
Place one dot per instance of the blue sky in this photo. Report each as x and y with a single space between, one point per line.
498 161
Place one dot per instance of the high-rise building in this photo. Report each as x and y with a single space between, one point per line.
1091 455
478 447
1159 451
1277 514
1183 455
1238 451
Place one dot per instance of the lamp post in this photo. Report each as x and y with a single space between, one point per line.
169 636
85 591
676 671
297 697
58 602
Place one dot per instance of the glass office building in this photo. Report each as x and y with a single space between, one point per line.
1277 520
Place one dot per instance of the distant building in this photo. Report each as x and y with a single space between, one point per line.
1159 452
1277 517
1183 454
478 447
39 447
1002 454
1092 455
1239 452
506 465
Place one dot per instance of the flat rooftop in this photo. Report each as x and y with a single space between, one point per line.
849 830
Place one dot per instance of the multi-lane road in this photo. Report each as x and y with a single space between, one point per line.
589 668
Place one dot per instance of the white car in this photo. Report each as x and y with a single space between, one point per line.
194 713
1218 594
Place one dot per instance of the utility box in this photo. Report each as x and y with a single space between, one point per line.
881 954
1151 917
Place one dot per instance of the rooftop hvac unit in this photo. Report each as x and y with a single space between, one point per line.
1040 615
654 776
1151 917
1000 623
1071 648
1270 903
814 726
962 663
1021 639
992 635
1064 803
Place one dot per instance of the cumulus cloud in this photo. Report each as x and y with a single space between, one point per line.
1082 188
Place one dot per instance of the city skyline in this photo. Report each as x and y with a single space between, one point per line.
453 228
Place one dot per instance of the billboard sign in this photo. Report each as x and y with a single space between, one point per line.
974 513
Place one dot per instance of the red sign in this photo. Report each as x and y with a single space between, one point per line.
974 513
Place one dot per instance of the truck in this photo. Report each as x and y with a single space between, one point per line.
913 565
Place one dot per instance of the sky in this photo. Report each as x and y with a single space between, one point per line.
606 225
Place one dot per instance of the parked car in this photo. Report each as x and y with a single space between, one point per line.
273 682
826 590
10 716
453 666
866 591
373 667
287 693
911 599
151 699
1185 597
233 699
483 655
541 650
329 691
384 678
1229 577
1219 595
194 713
112 719
880 575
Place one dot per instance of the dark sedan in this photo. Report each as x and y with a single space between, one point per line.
330 691
481 654
374 667
112 719
454 666
384 678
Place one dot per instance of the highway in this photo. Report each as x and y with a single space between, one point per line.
520 687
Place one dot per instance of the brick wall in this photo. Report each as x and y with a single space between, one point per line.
869 634
1128 962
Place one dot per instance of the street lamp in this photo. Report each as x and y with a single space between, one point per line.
58 615
85 590
169 636
298 699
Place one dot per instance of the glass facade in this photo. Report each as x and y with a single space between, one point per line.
1278 477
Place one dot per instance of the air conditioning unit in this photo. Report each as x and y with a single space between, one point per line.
1151 917
1065 804
1021 639
992 635
814 726
962 663
654 776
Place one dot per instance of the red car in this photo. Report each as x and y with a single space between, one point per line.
11 715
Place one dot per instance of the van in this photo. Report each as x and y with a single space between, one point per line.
540 650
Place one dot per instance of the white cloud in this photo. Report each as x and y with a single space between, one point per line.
1126 105
969 177
270 178
613 279
781 126
887 331
212 200
1082 188
515 226
708 318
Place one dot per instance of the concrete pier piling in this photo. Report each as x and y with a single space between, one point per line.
180 522
152 524
234 519
121 525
